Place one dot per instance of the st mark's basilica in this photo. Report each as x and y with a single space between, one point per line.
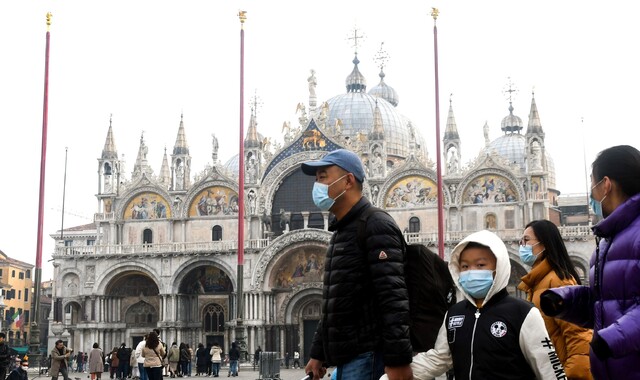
161 251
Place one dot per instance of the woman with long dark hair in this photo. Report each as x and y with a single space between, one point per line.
152 353
542 248
611 304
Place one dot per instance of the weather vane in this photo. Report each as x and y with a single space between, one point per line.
381 57
255 103
510 90
356 38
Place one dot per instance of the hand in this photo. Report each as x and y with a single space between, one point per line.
551 303
315 366
399 373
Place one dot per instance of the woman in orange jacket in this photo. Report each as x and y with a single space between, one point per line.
542 248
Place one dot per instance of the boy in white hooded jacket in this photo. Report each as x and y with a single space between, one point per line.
490 334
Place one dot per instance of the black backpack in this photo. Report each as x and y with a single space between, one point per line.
429 283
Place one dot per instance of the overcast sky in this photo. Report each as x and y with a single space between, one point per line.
148 62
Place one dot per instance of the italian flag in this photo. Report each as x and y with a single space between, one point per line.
17 320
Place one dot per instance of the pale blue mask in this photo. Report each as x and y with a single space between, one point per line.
476 282
595 205
526 254
321 195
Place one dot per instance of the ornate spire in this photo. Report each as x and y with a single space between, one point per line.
165 173
451 131
382 90
181 146
377 133
252 140
534 126
109 151
511 123
355 81
142 166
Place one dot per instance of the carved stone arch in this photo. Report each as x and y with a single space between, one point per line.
281 246
462 187
72 312
411 172
271 182
141 313
195 262
295 301
105 278
130 196
70 284
196 190
582 265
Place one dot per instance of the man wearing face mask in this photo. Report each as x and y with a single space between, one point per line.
364 330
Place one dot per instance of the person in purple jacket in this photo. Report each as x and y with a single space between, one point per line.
610 305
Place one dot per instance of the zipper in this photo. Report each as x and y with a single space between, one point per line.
473 336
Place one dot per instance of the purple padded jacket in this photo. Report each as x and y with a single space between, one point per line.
611 304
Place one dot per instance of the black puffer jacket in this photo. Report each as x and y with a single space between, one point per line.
365 302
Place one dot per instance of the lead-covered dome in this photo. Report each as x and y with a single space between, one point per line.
355 109
384 91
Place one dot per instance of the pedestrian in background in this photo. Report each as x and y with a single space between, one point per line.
96 362
60 361
140 359
153 353
5 356
610 304
543 249
216 359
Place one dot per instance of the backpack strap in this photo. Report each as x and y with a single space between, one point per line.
362 228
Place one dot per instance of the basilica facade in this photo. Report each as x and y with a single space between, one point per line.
162 250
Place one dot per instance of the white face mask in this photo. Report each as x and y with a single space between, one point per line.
25 367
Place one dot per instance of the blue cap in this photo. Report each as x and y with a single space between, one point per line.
343 158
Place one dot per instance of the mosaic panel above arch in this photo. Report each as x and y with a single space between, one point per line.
301 265
490 188
214 200
206 280
411 191
147 205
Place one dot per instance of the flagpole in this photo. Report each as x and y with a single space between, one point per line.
240 274
34 341
434 14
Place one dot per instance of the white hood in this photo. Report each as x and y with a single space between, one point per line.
503 265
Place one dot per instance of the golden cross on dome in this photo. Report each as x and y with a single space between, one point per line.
381 57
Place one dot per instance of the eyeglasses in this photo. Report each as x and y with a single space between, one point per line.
525 240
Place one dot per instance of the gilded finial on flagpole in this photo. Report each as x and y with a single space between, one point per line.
49 15
434 13
243 16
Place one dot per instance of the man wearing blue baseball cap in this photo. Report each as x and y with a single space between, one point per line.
364 330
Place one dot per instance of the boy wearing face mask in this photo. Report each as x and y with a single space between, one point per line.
490 334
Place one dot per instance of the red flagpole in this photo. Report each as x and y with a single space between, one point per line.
240 297
35 333
434 14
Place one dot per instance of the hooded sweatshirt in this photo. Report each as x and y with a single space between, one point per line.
505 338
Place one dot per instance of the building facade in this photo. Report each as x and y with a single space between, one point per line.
17 291
162 249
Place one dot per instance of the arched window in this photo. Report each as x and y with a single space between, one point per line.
147 236
297 221
216 233
414 224
213 319
316 220
490 222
